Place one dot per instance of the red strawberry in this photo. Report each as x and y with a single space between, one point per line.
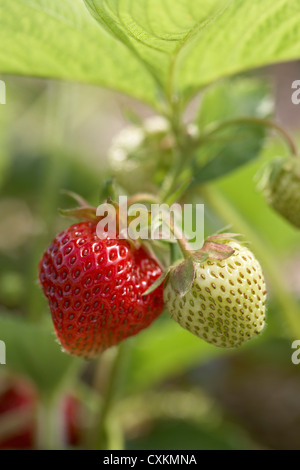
72 413
74 419
18 412
95 289
18 401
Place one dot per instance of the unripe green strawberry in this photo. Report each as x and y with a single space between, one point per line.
225 304
281 185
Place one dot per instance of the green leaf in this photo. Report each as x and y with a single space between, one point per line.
235 97
60 39
155 49
155 30
239 144
31 349
231 148
245 35
187 45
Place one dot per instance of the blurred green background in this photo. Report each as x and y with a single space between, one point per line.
174 391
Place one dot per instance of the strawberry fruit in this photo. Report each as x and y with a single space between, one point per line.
281 186
225 302
18 404
95 289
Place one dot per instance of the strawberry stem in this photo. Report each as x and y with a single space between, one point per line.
47 435
143 197
181 240
100 438
252 120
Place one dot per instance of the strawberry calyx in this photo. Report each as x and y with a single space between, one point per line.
84 211
215 248
121 218
181 274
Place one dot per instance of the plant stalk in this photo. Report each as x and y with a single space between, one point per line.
251 120
100 437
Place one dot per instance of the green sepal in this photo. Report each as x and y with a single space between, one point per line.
222 237
81 202
213 251
158 282
83 213
108 189
182 276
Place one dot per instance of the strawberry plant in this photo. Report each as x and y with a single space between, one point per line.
211 134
